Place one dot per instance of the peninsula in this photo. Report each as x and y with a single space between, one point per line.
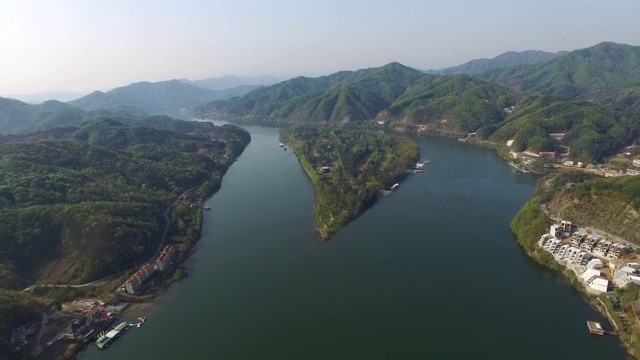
348 169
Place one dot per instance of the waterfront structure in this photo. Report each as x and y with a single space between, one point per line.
134 283
595 328
578 254
163 261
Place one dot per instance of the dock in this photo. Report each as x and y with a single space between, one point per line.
595 328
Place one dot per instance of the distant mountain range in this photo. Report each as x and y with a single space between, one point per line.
163 97
18 117
510 58
232 81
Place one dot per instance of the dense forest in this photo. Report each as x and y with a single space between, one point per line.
357 165
89 200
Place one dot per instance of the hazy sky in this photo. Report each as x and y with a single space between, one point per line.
101 44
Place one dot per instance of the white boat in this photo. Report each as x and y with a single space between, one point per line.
281 144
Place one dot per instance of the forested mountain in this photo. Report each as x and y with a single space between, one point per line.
347 96
453 102
90 199
163 97
599 73
510 58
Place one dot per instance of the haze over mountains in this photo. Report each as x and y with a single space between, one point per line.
164 97
591 94
509 58
231 81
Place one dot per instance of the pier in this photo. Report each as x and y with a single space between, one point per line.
597 329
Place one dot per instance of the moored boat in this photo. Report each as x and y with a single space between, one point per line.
106 338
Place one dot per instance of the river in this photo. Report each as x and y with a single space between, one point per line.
431 271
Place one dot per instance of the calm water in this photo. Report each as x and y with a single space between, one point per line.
430 272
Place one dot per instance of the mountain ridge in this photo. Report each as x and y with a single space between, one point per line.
506 59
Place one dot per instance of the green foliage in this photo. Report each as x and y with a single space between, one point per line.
528 225
16 309
98 200
594 73
362 163
591 131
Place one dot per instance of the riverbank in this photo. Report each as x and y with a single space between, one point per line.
527 226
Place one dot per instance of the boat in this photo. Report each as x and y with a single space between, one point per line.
207 208
281 144
106 338
395 186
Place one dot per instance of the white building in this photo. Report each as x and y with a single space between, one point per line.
627 273
556 230
595 264
594 281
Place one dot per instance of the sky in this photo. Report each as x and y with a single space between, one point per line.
87 45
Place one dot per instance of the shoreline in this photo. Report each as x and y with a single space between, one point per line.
593 300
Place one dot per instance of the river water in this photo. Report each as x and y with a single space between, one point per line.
430 272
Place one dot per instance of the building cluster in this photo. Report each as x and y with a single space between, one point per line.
583 254
162 263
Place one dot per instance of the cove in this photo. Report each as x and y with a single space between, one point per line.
431 271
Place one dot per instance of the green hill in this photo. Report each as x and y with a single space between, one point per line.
93 197
592 132
598 73
455 102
